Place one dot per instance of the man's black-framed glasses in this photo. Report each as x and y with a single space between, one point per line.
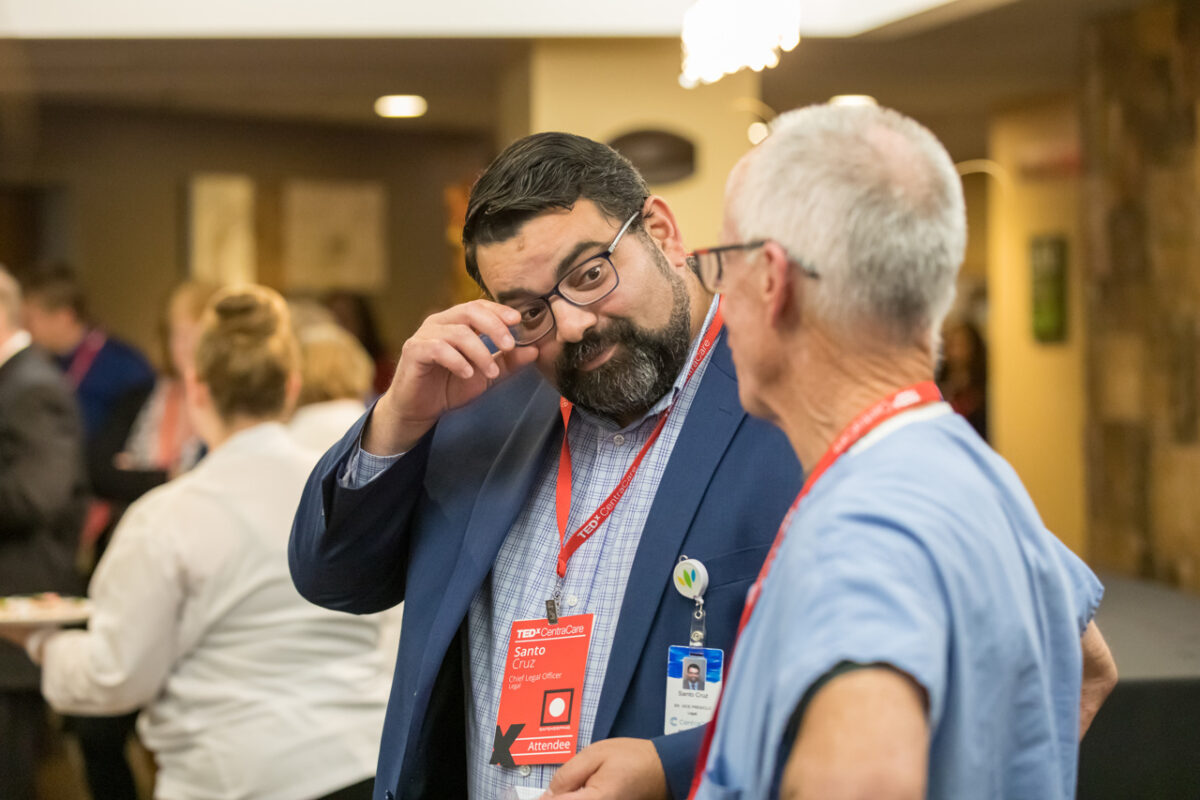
589 282
709 263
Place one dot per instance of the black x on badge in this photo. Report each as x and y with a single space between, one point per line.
502 745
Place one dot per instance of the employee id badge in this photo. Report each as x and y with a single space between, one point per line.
693 686
542 691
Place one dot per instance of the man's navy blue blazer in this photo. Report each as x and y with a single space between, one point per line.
427 530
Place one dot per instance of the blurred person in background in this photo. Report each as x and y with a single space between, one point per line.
917 632
248 690
146 439
101 368
962 374
337 376
307 312
107 375
42 501
111 379
161 442
352 310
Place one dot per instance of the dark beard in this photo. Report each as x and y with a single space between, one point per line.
640 371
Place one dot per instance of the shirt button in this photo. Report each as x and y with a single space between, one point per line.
572 601
525 770
618 440
389 796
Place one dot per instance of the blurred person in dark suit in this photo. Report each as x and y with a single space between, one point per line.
108 375
42 499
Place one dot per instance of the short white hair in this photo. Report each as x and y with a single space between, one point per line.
871 201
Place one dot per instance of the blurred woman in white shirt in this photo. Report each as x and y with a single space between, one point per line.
336 375
248 690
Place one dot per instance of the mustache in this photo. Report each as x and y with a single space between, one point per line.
593 343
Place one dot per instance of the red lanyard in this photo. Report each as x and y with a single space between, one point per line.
569 544
904 400
86 353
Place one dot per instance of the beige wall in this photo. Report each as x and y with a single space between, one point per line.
122 175
1037 408
604 88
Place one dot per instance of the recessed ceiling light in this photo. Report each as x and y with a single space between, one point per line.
852 100
757 132
401 105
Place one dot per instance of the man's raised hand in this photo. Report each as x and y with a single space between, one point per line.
444 365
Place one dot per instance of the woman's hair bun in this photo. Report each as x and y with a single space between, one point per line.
247 352
248 313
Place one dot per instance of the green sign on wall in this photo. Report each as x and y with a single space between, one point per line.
1048 259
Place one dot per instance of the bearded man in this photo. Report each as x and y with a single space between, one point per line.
543 461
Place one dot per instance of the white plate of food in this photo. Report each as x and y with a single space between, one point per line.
47 608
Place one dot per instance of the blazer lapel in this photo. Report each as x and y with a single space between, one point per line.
503 493
711 422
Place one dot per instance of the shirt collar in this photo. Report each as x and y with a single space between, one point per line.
326 407
672 394
901 420
262 437
13 345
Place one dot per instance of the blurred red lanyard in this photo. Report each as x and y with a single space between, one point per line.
903 400
569 544
84 356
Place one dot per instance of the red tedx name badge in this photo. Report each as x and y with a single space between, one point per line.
542 691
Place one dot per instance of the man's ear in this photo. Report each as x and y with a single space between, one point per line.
659 222
778 286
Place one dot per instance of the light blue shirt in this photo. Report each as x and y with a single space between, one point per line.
920 549
524 574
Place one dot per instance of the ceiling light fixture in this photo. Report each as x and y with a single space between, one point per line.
852 100
721 37
396 106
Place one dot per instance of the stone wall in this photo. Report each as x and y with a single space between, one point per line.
1141 199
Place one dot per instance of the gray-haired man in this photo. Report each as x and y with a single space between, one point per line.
918 633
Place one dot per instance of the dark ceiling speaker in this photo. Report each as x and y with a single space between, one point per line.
660 156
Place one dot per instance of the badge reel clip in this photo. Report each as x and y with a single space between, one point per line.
552 605
691 580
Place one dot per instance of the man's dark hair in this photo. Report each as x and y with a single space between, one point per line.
54 286
543 171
